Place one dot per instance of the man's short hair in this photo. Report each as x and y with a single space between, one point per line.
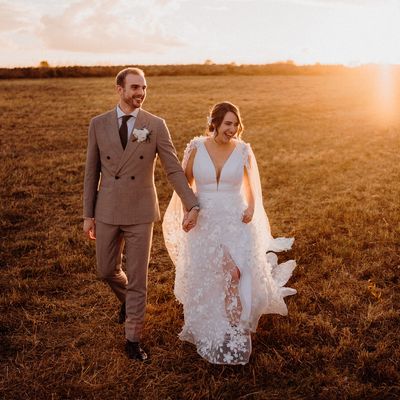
120 78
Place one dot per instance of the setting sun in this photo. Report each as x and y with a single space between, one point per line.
387 92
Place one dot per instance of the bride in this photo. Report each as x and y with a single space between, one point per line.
225 278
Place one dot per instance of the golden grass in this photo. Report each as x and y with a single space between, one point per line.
329 160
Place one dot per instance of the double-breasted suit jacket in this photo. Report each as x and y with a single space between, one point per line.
119 184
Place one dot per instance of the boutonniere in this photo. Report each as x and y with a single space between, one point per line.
141 135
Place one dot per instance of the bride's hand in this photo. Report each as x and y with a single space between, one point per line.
248 215
185 214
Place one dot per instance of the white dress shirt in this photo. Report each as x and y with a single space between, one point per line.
131 121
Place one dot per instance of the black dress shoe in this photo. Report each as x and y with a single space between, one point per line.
135 352
122 314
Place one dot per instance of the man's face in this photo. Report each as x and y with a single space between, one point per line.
132 95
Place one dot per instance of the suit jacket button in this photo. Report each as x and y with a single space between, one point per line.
132 177
108 157
141 157
117 177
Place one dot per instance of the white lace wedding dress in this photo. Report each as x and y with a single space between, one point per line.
220 312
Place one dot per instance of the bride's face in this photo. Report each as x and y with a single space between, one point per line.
228 128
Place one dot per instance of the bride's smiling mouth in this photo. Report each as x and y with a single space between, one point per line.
229 136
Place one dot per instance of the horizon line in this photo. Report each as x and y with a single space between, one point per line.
204 64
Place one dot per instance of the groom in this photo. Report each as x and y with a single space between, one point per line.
120 201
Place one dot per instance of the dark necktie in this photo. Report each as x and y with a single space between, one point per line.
123 130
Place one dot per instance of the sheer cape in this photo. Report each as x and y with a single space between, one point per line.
172 222
220 312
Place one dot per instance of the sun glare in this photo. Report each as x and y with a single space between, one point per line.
387 92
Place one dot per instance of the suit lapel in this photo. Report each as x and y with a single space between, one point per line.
113 136
132 144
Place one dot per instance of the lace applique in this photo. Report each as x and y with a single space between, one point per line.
193 144
245 150
224 279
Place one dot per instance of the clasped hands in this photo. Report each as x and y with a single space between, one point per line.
189 219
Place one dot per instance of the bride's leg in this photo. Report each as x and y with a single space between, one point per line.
233 306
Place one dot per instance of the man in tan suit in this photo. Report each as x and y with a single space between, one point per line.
120 200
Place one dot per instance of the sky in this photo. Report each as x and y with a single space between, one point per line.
143 32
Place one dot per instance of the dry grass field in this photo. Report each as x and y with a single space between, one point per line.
328 149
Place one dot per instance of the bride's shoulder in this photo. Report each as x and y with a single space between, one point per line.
194 143
243 146
191 148
245 150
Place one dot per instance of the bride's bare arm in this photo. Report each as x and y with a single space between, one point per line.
189 167
248 213
189 217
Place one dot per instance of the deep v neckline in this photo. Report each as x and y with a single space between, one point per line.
218 177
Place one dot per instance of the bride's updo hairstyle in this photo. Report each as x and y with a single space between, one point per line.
217 115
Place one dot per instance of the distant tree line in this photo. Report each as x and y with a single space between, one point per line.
208 68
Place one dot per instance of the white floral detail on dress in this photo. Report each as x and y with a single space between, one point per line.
221 306
141 135
193 144
245 150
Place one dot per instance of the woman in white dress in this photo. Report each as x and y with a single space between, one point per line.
225 278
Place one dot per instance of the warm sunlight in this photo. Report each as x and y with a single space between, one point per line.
200 199
181 32
387 93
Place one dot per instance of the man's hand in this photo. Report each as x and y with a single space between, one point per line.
190 219
89 228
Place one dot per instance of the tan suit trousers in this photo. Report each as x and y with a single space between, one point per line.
132 286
